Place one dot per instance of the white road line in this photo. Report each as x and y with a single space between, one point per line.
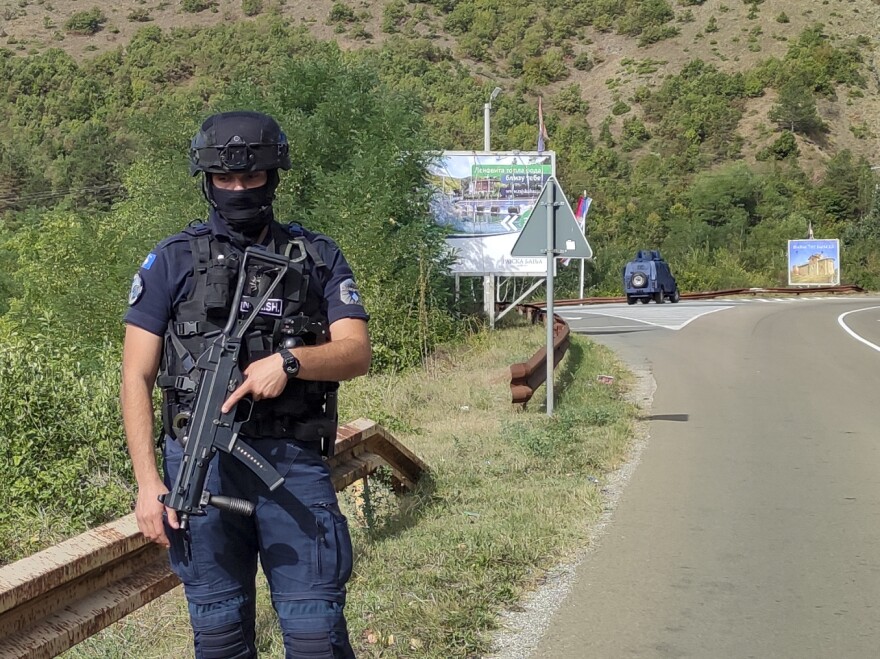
852 333
659 322
604 327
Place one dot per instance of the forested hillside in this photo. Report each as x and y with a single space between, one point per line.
711 130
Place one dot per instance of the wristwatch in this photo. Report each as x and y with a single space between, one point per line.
291 363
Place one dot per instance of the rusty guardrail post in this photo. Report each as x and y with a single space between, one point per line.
526 377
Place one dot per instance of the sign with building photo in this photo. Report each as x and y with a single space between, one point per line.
814 262
484 199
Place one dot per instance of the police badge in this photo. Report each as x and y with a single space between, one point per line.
137 288
349 293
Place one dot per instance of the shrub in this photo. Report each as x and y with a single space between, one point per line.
569 100
394 16
139 15
341 13
634 133
584 62
63 452
86 22
195 6
619 108
655 33
784 146
544 69
251 7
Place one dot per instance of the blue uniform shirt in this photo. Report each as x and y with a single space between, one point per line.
165 279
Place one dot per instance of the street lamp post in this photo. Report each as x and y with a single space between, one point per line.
486 108
489 280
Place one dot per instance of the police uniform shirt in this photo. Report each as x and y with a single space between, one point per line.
165 279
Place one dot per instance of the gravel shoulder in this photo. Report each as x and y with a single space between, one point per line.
522 629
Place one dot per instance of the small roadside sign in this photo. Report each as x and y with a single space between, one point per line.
568 239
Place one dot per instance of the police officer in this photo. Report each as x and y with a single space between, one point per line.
309 335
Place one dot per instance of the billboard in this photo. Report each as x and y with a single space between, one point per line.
484 199
814 262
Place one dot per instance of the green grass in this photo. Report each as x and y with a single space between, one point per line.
510 493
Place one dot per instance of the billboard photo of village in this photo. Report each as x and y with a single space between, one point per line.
490 193
814 262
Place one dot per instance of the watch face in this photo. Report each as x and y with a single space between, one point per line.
291 365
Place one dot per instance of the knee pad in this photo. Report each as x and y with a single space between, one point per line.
314 629
226 642
308 645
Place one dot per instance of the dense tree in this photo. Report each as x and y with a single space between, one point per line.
795 110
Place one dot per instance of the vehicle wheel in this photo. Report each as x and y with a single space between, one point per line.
630 299
658 297
675 297
645 300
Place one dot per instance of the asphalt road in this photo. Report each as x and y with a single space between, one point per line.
751 525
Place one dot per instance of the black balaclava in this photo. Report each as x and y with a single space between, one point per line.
245 212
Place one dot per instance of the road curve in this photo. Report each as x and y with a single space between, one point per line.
751 526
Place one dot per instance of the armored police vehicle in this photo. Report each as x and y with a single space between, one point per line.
647 277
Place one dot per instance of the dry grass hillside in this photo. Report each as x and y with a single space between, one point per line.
740 41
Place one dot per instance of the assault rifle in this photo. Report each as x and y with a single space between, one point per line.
207 429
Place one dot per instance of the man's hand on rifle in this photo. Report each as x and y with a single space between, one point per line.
149 510
264 378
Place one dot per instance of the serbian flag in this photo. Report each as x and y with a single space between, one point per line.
542 129
580 213
580 216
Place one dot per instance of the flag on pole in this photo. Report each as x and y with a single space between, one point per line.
542 129
580 216
580 213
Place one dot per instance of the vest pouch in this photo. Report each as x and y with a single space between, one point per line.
217 285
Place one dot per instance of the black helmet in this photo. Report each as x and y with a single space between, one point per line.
239 141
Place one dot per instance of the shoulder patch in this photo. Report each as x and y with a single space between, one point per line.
137 289
348 292
148 262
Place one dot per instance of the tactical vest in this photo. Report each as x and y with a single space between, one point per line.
305 410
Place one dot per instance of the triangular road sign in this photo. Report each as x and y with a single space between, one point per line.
568 241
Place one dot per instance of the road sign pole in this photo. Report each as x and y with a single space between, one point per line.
489 299
582 279
562 235
551 244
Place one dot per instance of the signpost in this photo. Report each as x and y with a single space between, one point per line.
553 233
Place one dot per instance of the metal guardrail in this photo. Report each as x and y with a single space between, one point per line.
58 597
526 377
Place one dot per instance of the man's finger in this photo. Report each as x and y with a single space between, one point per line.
172 518
235 396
